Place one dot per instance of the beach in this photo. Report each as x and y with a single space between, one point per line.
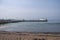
30 31
5 35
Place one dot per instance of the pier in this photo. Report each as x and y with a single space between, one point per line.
14 21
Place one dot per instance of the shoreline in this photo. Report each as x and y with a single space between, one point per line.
30 32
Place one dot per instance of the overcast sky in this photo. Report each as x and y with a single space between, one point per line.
29 9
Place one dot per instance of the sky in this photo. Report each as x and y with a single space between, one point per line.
30 9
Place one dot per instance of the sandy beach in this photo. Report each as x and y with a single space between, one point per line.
4 35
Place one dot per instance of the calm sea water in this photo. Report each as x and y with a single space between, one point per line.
51 26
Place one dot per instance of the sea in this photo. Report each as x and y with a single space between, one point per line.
50 26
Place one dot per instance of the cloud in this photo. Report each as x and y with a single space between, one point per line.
31 8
